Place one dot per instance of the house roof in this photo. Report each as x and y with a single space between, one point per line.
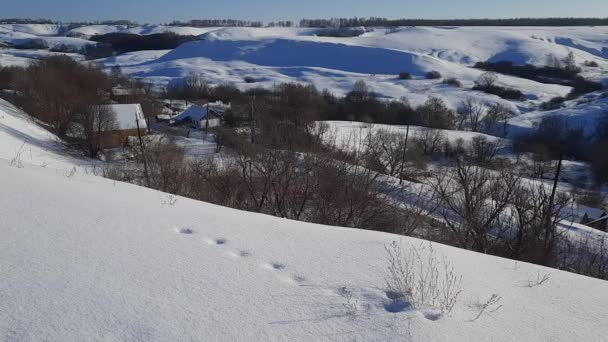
199 112
128 116
194 112
122 91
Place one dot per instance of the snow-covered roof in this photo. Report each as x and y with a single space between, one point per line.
123 91
199 112
194 112
580 211
128 116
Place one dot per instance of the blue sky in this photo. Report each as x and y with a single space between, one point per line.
155 11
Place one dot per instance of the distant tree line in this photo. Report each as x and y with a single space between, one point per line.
217 23
375 21
25 21
76 23
344 22
564 72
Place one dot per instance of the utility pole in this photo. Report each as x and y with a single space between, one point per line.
552 198
143 152
407 134
252 116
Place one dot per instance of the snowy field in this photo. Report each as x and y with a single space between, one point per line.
274 55
102 260
84 258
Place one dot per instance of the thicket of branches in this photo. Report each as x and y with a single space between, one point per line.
128 42
68 97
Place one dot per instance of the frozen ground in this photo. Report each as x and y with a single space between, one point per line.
86 258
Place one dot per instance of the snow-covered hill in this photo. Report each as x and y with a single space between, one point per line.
582 113
274 55
24 142
84 258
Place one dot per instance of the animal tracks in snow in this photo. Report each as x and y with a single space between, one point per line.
276 266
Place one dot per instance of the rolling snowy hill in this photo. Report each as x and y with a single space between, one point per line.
84 258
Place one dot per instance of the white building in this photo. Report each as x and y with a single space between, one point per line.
205 116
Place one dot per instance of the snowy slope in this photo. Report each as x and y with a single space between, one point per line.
85 258
275 55
581 113
93 30
23 142
352 135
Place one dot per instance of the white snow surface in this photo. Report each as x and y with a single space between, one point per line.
128 116
84 258
24 142
582 113
276 55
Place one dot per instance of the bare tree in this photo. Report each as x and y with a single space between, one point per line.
429 140
470 114
496 113
487 80
96 122
535 238
471 201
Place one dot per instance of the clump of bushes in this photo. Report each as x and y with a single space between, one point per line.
32 44
249 79
563 72
454 82
591 64
433 75
97 51
554 103
405 76
64 49
342 32
128 42
487 84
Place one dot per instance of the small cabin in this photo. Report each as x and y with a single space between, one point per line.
129 118
124 94
598 221
203 117
592 217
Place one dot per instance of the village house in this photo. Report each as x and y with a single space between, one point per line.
596 219
592 217
203 117
125 95
129 118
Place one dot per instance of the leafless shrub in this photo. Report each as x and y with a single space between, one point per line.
16 159
429 141
539 280
491 305
471 201
71 172
586 256
168 200
351 304
420 278
470 114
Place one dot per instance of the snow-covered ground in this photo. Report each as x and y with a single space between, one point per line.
85 258
275 55
24 142
581 113
351 135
